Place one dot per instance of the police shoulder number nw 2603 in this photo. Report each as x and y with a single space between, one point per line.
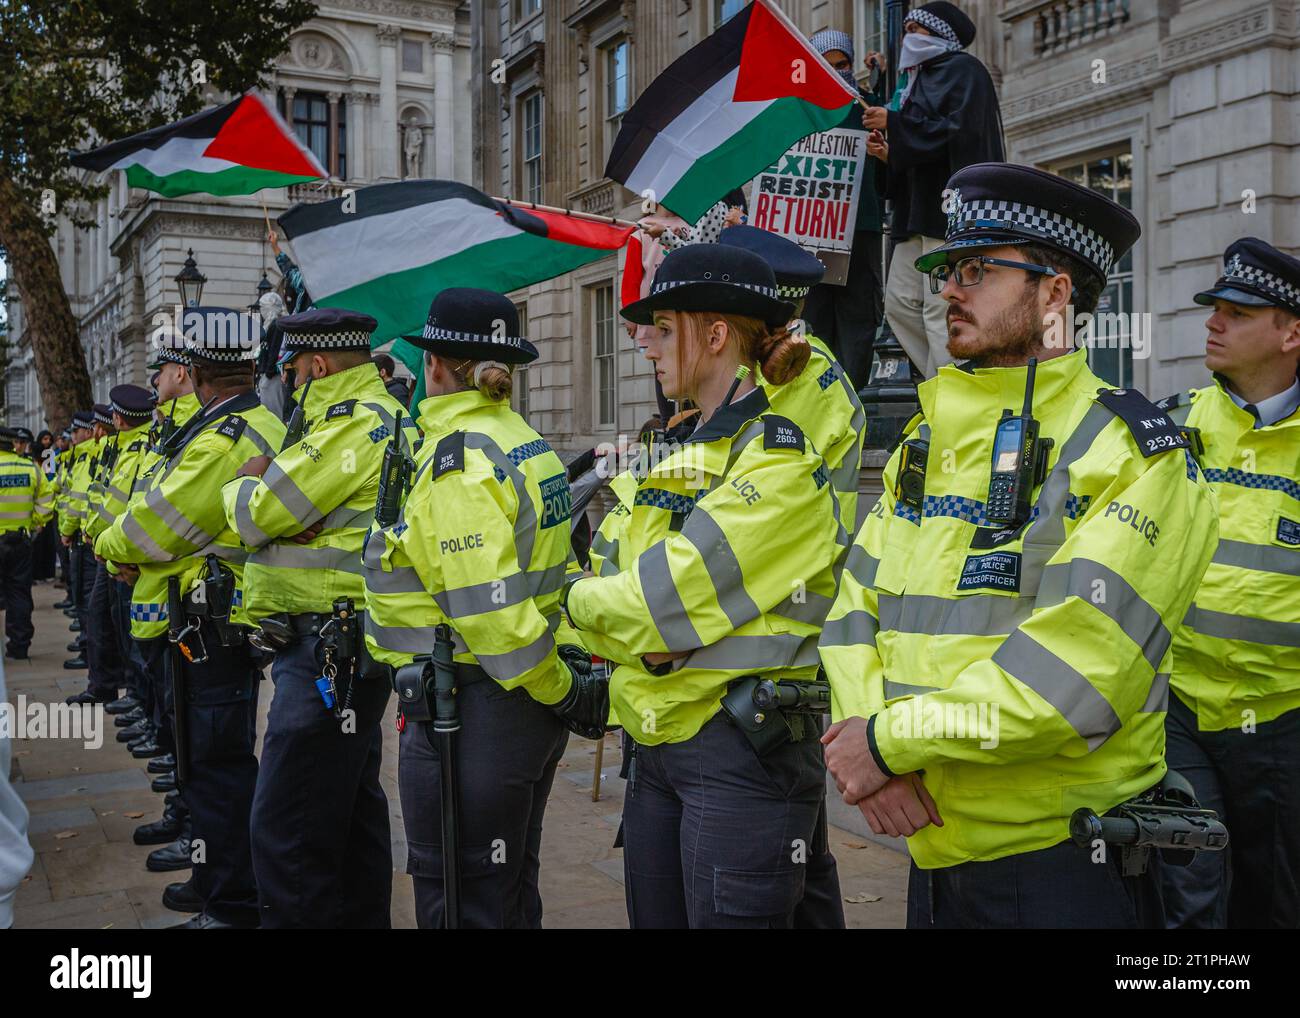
1150 426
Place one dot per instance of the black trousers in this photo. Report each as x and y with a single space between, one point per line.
822 906
846 317
16 584
157 700
134 676
506 754
43 552
65 563
83 584
221 714
322 850
103 644
1253 780
715 836
1053 888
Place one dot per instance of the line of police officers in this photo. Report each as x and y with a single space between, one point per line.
1130 552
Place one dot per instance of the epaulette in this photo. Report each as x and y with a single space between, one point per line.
449 456
781 433
137 444
232 427
343 409
1150 426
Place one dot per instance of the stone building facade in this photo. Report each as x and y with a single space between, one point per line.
377 88
1189 118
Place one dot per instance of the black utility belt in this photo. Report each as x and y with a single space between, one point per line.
773 711
12 535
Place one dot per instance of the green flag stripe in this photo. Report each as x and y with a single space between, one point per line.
236 180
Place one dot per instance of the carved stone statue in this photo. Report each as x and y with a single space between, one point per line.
412 144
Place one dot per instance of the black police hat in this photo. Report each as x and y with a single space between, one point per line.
83 419
473 324
717 278
131 401
102 413
1256 274
10 435
323 330
994 204
945 21
796 270
24 435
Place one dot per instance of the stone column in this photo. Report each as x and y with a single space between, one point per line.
444 128
356 117
388 36
333 99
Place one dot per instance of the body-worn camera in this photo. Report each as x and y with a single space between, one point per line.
910 487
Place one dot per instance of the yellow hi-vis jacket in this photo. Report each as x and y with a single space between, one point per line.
331 475
116 482
481 544
25 493
178 518
1237 653
73 516
1025 672
822 402
730 554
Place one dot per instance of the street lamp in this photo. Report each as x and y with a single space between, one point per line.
190 282
263 288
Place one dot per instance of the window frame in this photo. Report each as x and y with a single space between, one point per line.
534 192
604 334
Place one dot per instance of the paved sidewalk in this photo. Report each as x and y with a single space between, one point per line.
85 803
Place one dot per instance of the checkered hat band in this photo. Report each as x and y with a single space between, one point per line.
166 356
434 332
1075 237
934 23
1261 279
118 408
792 292
224 356
327 340
103 418
766 291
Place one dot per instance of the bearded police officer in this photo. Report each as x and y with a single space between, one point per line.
1052 579
320 820
27 506
179 520
1234 720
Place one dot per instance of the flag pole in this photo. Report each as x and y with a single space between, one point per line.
587 216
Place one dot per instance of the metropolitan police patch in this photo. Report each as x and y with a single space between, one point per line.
556 506
999 570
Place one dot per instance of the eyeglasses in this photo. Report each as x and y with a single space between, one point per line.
970 271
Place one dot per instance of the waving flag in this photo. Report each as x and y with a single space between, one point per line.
726 109
237 148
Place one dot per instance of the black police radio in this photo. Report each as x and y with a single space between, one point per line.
1019 461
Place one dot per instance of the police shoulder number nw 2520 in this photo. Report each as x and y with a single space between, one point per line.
1150 426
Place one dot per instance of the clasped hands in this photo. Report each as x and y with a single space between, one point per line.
898 806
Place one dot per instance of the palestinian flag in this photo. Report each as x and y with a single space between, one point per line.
237 148
388 249
725 110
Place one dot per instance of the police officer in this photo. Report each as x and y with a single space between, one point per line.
62 464
82 561
179 520
822 401
730 548
27 505
320 820
103 650
1233 726
482 544
1019 672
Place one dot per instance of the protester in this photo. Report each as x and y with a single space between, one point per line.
397 387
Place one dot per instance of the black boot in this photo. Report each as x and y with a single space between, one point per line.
164 782
75 627
175 856
147 750
123 704
182 897
84 697
164 831
76 664
162 764
133 732
131 717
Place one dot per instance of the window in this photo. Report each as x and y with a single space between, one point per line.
527 8
618 89
412 55
532 147
520 387
873 34
725 10
341 170
311 122
604 371
1110 353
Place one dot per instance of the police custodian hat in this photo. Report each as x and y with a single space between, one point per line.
83 419
102 413
323 330
1256 274
220 334
474 324
797 271
995 204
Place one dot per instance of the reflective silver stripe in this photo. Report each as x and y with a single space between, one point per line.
895 689
15 516
403 639
400 580
343 516
1265 558
526 521
972 615
1242 627
256 437
1113 596
857 628
176 521
286 489
290 555
608 550
249 532
511 665
1047 533
135 533
504 592
1057 682
16 498
862 566
810 608
757 653
661 597
1158 699
724 571
227 554
117 492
